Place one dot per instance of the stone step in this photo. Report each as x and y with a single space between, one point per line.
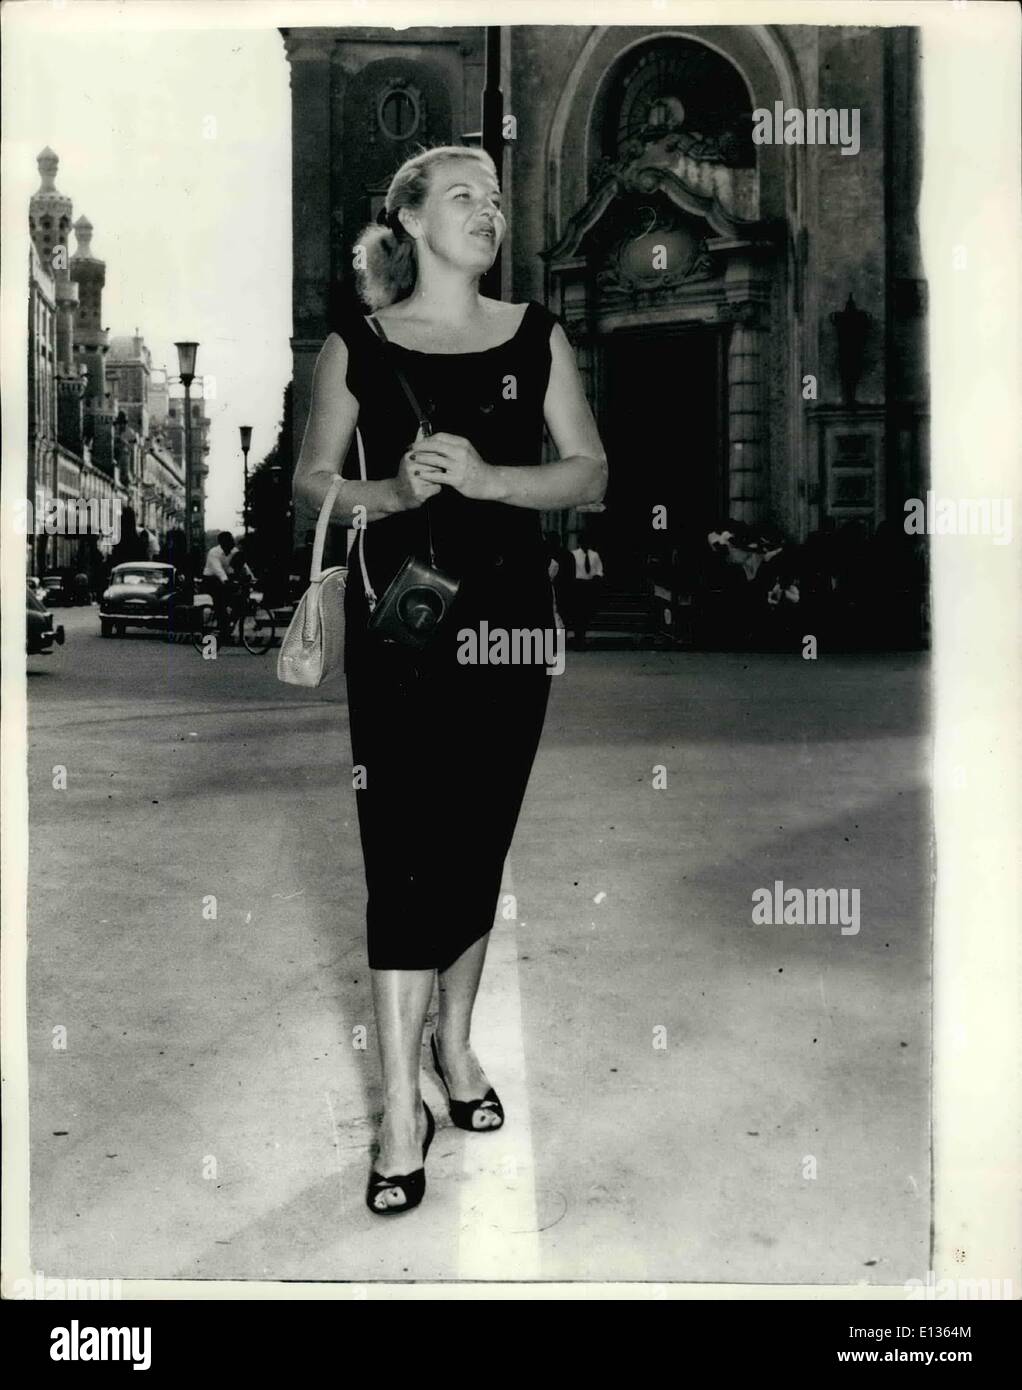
625 612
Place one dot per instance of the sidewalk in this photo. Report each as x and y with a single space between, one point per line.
689 1096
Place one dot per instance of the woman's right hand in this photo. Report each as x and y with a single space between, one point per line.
414 482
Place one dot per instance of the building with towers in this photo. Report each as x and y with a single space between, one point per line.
92 434
91 345
42 393
49 222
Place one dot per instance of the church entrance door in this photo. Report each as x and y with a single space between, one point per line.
663 424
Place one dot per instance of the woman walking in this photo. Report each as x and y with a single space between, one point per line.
446 746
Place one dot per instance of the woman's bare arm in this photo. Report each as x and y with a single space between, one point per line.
333 414
580 474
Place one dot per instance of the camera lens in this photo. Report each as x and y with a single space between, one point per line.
420 609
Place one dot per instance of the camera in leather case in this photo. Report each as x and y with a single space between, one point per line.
414 604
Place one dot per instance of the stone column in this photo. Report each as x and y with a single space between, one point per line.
748 423
67 304
308 54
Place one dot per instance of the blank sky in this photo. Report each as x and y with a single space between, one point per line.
176 146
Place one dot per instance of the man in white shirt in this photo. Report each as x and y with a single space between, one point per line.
588 586
588 564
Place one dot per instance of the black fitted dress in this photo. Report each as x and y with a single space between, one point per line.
447 747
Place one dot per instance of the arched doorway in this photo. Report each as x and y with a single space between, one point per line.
670 283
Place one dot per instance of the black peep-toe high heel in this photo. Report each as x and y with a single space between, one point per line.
411 1185
463 1111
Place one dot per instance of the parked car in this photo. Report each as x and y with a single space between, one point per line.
54 593
145 593
40 631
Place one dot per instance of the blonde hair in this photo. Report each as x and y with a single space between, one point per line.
390 269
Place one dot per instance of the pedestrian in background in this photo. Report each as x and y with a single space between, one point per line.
588 586
130 544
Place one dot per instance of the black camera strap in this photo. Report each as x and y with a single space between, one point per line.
421 417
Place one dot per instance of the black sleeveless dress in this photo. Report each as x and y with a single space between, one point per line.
446 747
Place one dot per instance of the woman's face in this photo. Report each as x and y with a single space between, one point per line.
461 221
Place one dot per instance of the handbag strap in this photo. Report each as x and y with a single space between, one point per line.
323 522
370 592
420 415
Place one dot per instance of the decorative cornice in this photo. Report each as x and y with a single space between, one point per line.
654 179
306 44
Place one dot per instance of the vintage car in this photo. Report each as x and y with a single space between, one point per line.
55 592
145 593
40 632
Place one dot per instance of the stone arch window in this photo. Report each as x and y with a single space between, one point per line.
398 112
680 92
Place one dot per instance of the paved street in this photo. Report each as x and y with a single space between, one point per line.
689 1096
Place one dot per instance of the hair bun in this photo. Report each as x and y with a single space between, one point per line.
392 222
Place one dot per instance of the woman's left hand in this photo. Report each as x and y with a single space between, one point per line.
460 464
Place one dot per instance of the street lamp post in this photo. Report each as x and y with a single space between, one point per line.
246 444
186 369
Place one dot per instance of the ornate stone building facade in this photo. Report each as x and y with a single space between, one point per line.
748 318
92 435
154 472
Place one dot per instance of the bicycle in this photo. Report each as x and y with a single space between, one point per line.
248 619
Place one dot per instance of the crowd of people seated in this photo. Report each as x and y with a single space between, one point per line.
848 587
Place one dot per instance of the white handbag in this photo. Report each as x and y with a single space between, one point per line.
313 646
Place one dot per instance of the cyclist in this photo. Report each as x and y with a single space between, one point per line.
224 563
